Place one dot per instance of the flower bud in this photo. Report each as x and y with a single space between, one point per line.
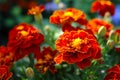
57 1
29 72
107 17
111 34
117 39
47 27
65 65
102 31
100 61
110 43
58 66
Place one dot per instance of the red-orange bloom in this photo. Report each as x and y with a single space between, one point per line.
36 10
103 6
68 16
95 24
24 39
4 73
113 73
6 57
46 62
78 47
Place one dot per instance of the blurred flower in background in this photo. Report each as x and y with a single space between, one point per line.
116 16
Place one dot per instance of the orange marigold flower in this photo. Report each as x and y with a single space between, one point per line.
46 62
113 73
6 57
103 6
4 73
78 47
24 39
95 24
36 10
68 16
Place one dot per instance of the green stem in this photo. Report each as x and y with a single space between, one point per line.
31 58
38 19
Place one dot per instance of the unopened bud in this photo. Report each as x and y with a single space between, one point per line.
65 65
102 31
110 44
100 61
107 17
111 34
47 27
57 1
29 72
117 39
58 66
107 14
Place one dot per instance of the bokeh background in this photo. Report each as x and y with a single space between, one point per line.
13 12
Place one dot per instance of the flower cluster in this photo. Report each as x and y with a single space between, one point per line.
24 39
95 24
103 6
113 73
78 47
4 73
46 61
36 10
67 17
79 51
6 60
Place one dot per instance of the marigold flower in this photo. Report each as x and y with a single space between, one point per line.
103 6
6 57
46 62
24 39
78 47
4 73
95 24
113 73
68 16
36 10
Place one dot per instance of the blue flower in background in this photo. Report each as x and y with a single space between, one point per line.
116 16
51 6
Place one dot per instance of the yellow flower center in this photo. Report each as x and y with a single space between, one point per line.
24 33
40 61
68 14
76 43
20 27
45 69
48 57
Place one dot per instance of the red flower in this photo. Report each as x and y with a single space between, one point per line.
68 16
78 47
103 6
36 10
113 73
95 24
24 39
6 57
4 73
46 62
69 27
